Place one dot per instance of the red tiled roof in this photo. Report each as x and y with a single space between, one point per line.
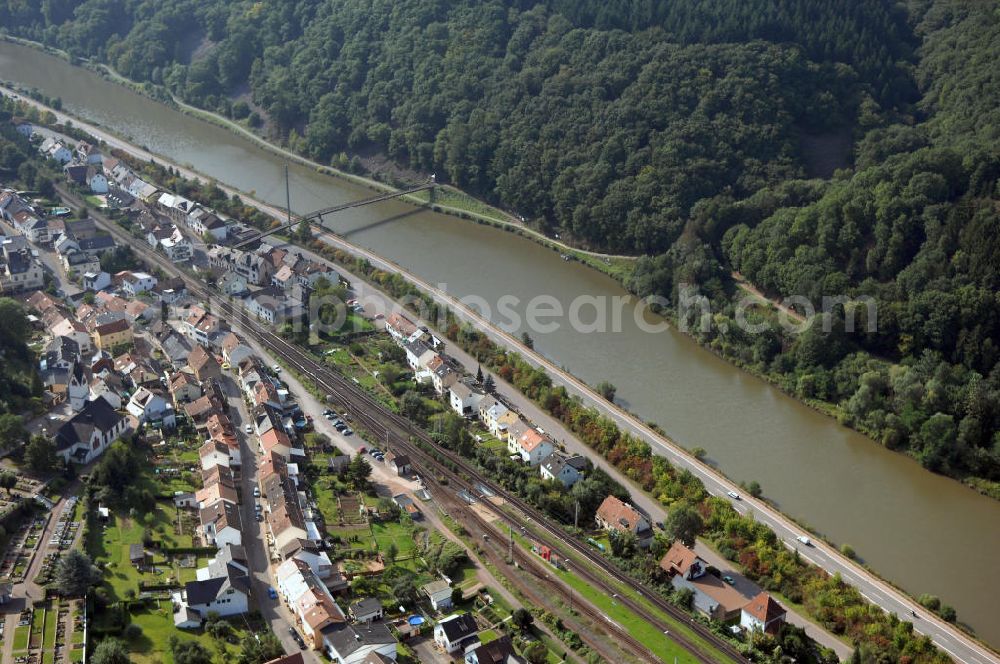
764 608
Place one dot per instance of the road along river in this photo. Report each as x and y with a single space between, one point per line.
903 521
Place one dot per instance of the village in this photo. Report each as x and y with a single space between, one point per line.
260 498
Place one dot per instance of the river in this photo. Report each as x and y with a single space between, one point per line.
924 532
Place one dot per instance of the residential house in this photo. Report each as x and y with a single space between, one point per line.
108 387
203 221
234 350
96 180
616 515
184 388
762 614
316 610
142 190
273 307
149 407
418 354
531 445
96 280
232 284
212 494
366 610
255 268
566 469
456 633
712 596
439 593
320 564
203 364
498 651
61 352
87 154
465 398
220 524
56 150
353 644
217 474
75 330
491 409
77 262
201 325
95 246
443 374
215 453
276 441
400 327
177 247
134 283
20 270
113 335
88 433
225 595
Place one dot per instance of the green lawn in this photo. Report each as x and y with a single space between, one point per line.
157 624
51 620
399 534
112 548
21 635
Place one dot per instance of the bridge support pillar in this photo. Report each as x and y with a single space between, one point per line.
430 194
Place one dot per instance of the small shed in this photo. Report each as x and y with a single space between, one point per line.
138 557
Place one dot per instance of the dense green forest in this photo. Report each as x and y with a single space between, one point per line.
683 131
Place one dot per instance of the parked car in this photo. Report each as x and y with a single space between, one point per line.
272 593
256 492
728 579
362 449
248 429
276 368
347 432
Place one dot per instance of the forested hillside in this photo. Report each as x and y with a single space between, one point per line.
672 129
603 122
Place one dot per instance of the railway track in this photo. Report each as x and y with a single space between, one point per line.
397 431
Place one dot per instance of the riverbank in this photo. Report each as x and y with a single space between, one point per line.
669 380
455 202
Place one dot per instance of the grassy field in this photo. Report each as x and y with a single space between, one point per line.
21 635
112 549
399 534
153 647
